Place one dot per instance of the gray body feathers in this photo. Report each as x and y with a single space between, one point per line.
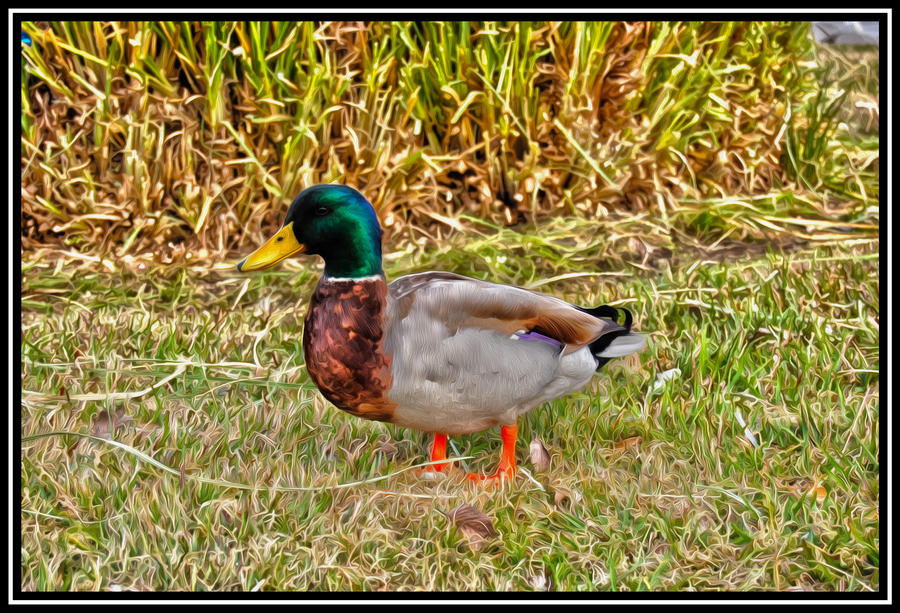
462 359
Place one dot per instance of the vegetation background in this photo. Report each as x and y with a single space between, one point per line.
720 179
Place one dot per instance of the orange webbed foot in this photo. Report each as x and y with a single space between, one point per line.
497 478
507 469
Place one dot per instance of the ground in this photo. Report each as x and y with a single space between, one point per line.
738 451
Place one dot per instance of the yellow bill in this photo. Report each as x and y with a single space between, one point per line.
283 245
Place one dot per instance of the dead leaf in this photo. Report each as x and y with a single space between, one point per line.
104 425
564 494
680 507
475 525
540 458
661 379
329 451
819 492
628 443
387 448
100 427
810 488
542 582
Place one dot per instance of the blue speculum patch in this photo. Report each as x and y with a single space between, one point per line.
535 336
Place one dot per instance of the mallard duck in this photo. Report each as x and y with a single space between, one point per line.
433 351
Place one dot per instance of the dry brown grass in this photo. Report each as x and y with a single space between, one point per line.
170 138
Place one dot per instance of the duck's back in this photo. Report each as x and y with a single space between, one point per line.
466 354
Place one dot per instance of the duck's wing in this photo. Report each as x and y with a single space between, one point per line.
462 302
466 354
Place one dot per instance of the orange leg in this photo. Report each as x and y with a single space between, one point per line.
507 467
438 452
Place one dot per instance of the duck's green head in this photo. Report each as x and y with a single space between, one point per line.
333 221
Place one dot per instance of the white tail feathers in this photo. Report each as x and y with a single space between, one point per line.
623 345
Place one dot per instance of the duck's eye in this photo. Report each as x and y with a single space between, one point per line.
322 211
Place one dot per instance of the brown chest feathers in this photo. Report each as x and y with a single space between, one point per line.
342 346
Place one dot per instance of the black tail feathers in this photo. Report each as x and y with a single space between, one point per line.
604 348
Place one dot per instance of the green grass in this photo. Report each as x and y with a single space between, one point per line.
651 487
